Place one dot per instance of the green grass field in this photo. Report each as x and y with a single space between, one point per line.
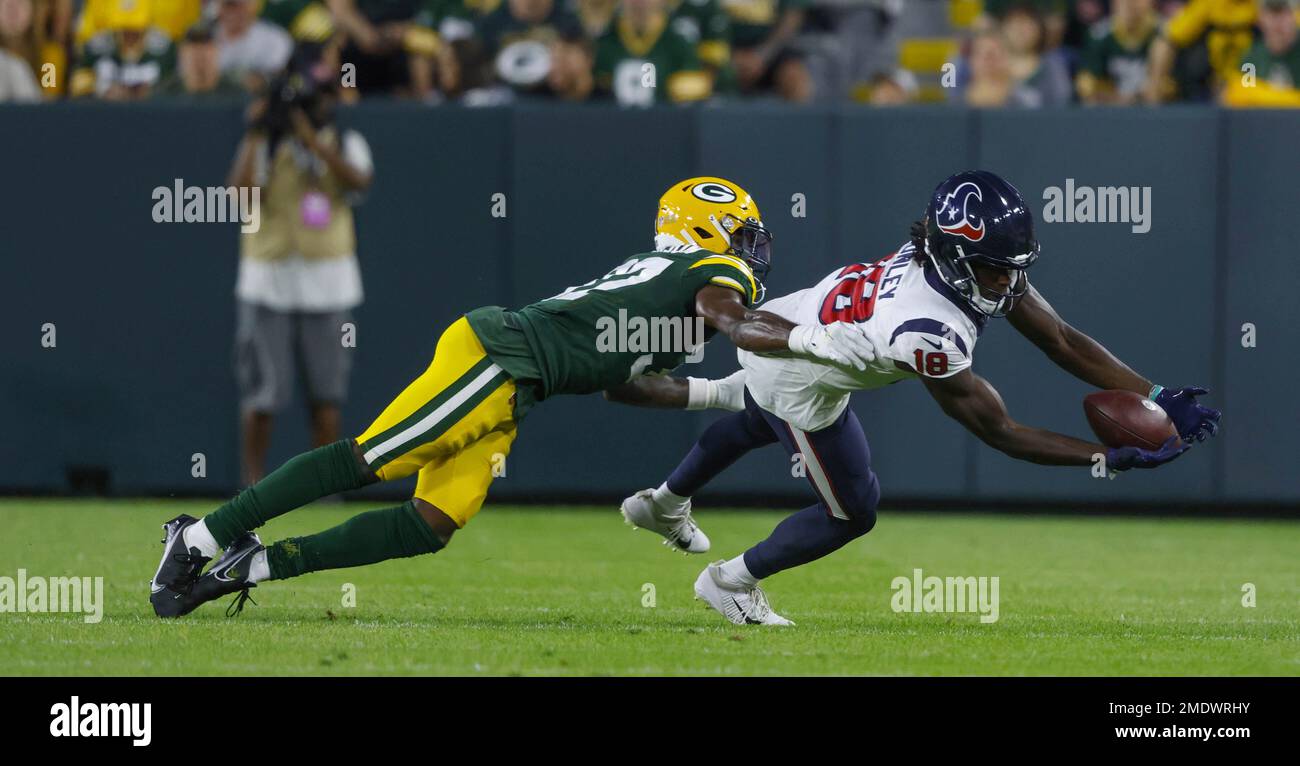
560 591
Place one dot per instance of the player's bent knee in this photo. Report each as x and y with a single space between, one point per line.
440 523
367 474
862 501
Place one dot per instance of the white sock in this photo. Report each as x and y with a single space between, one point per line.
259 569
735 573
665 498
198 536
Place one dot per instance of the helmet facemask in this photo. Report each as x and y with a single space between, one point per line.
956 269
752 243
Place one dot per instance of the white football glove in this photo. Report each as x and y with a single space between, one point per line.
842 343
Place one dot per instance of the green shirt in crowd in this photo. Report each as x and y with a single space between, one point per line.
1117 61
658 65
1281 70
143 67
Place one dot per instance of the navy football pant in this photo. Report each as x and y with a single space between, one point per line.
836 461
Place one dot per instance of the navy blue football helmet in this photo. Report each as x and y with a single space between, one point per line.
976 217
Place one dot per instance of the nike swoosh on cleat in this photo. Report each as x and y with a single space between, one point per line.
231 574
153 584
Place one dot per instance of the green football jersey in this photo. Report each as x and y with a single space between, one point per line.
1279 70
151 63
1118 61
704 23
659 66
637 319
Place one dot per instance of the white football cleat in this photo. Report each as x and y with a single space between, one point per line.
679 530
743 606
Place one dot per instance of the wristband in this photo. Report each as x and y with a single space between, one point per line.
798 341
700 393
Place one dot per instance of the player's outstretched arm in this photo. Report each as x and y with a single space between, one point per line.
1071 350
667 392
973 402
659 391
757 331
762 332
1089 361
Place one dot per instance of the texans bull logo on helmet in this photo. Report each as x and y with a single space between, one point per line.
959 218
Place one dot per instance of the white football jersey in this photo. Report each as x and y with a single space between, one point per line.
909 315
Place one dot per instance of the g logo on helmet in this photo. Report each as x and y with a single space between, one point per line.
958 219
712 191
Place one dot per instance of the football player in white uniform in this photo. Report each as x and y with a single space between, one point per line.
923 308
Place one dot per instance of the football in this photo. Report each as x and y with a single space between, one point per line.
1126 419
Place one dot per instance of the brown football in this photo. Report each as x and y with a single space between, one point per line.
1126 419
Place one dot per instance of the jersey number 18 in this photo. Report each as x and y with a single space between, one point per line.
846 301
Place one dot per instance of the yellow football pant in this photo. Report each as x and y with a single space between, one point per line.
454 425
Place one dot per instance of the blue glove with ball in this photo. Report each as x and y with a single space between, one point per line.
1193 421
1124 458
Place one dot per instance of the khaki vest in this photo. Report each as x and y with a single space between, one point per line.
282 232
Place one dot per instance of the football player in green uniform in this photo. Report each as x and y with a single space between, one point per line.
454 424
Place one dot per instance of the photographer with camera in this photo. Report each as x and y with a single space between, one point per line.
298 274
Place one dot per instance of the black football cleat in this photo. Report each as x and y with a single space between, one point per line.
178 570
228 575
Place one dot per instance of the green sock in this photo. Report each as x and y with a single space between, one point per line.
307 477
390 533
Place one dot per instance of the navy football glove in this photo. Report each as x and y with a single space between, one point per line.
1194 422
1124 458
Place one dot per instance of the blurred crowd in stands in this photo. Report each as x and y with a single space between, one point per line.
983 53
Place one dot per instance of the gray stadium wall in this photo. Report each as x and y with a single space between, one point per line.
141 380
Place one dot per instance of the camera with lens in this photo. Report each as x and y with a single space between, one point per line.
296 87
